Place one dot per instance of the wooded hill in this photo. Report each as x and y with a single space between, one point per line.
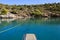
44 10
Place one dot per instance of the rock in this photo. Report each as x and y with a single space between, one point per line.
9 15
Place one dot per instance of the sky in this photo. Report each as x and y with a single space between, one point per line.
28 2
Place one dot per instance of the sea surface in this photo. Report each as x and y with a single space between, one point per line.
43 28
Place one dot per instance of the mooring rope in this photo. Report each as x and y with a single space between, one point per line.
9 29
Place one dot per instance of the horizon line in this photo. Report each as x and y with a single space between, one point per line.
29 4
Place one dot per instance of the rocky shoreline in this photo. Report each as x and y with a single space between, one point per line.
10 16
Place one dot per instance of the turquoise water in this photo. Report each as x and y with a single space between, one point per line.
43 28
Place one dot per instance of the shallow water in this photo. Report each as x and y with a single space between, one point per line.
43 28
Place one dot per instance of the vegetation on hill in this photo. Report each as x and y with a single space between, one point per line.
32 10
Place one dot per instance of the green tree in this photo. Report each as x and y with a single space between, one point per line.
4 11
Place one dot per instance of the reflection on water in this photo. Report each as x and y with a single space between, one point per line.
7 20
43 28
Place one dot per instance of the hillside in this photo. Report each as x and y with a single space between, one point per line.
43 10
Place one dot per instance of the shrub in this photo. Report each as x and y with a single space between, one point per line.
4 11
